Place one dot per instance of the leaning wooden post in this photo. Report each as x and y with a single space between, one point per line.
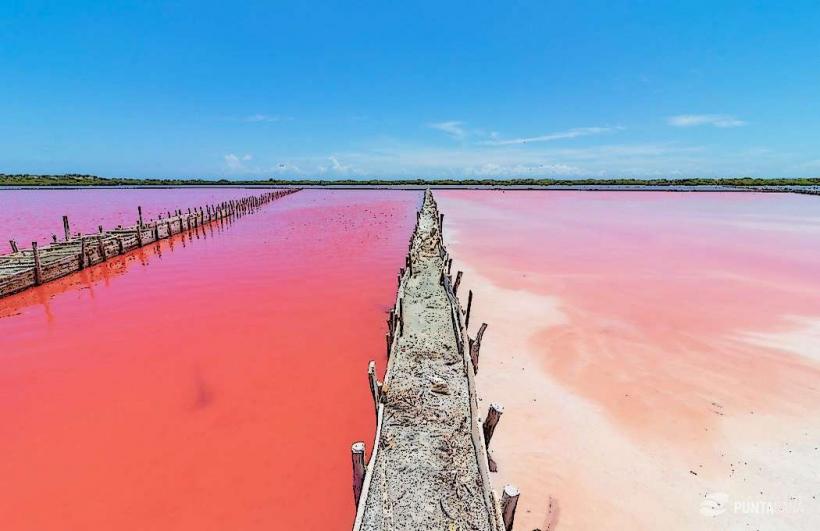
469 306
475 346
13 245
38 269
66 228
357 454
457 282
375 389
509 500
493 415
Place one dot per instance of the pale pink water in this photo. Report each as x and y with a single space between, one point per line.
209 382
656 348
34 215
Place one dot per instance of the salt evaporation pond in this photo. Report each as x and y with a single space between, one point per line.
212 381
658 354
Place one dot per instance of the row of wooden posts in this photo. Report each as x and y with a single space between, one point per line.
26 268
395 325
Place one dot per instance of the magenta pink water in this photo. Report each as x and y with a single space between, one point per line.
28 215
656 351
212 381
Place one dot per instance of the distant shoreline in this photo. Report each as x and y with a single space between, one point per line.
72 181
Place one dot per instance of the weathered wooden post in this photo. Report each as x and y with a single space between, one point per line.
53 238
509 500
456 283
357 454
449 265
139 233
375 388
401 316
475 346
139 211
82 252
38 269
99 228
101 247
469 306
13 245
66 228
493 415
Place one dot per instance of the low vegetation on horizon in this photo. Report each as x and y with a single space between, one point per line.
93 180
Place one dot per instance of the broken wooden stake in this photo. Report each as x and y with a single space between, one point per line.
509 500
457 282
475 346
357 454
374 384
13 245
493 415
469 306
139 211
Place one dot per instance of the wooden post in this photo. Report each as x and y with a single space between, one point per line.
493 415
475 346
509 500
374 384
82 252
469 306
457 282
449 265
139 233
38 269
102 247
357 454
66 228
139 211
53 238
13 245
401 316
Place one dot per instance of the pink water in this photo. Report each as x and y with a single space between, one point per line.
34 215
213 381
656 349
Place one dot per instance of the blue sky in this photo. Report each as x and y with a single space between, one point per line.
400 89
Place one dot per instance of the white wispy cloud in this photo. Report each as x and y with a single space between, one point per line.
236 163
571 133
257 118
716 120
453 128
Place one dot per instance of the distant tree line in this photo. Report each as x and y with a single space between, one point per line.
73 179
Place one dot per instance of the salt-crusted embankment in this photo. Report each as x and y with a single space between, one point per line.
429 467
